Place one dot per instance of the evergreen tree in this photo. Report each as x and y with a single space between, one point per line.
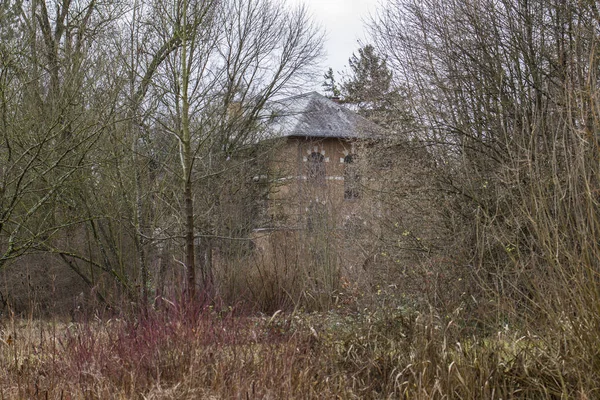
370 83
370 90
330 86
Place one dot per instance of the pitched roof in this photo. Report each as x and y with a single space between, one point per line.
316 116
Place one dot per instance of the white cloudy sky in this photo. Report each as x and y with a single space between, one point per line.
343 21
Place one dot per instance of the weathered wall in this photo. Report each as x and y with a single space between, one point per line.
331 228
294 189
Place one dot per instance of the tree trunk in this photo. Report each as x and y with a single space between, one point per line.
187 158
189 242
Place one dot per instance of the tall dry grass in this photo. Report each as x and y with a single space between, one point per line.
383 351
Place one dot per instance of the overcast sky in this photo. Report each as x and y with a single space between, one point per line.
343 21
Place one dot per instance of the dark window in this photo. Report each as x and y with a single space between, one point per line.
316 168
351 178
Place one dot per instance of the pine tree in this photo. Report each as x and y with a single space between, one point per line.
370 83
330 86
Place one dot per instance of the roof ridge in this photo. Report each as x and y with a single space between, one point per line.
297 96
313 114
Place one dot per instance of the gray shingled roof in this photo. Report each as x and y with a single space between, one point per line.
314 115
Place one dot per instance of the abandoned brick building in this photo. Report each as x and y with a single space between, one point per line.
315 168
316 184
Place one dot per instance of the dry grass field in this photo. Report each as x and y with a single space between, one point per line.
377 353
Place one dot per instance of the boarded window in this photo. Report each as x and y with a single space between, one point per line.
316 168
351 178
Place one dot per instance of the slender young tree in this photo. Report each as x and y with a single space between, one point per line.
233 58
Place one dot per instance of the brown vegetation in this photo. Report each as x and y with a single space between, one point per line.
129 162
385 351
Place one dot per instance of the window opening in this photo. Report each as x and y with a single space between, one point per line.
351 178
316 168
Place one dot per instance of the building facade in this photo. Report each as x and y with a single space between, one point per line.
317 205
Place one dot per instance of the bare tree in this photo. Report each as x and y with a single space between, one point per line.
503 94
118 118
234 57
48 126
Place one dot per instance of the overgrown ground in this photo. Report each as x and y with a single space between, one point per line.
383 351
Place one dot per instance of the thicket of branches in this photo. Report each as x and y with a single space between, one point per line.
504 97
126 156
128 161
128 137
